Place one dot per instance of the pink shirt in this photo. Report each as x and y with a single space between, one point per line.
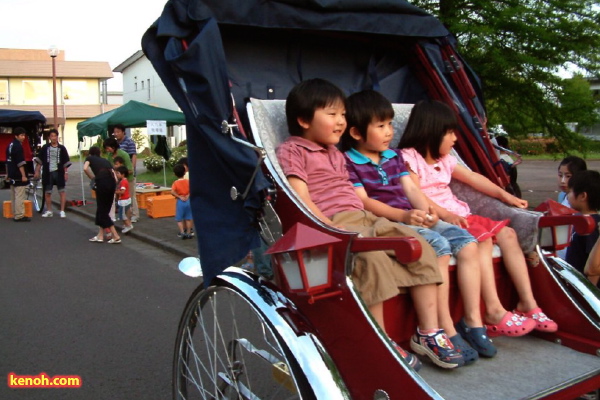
323 170
434 180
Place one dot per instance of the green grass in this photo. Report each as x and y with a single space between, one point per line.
157 177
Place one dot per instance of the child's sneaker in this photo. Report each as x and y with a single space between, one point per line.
63 214
438 348
127 228
48 214
410 358
181 235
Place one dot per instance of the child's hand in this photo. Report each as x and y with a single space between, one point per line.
514 201
431 218
457 220
415 217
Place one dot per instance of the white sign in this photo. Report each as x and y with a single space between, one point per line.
156 127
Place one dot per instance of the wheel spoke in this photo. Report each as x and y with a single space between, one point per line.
227 351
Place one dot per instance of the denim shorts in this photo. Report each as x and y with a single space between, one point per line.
183 211
445 238
53 180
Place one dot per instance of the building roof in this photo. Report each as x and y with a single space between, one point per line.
127 63
64 69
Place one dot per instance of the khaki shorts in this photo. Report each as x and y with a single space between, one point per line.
377 274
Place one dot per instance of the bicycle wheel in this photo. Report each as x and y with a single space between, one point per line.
227 350
38 195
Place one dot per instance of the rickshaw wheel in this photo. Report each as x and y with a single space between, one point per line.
227 349
35 190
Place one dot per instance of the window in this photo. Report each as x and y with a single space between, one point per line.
142 85
4 91
135 86
37 92
74 92
149 94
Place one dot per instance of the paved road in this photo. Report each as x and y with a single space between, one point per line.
107 313
538 179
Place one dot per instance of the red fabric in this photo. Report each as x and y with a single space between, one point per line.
6 139
483 228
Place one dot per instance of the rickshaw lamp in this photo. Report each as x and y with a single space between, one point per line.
555 237
303 257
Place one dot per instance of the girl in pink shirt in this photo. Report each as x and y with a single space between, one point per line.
426 144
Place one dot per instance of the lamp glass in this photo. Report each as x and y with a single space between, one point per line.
53 51
316 262
291 270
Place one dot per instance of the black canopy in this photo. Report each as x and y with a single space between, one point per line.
205 51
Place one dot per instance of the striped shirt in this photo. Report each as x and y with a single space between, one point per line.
380 181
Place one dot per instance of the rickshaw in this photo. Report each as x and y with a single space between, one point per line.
299 330
33 123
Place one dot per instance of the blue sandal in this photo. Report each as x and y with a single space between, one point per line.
468 353
477 338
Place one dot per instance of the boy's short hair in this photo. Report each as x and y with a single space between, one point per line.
306 97
587 181
123 170
362 108
111 142
179 170
183 160
118 159
19 131
573 164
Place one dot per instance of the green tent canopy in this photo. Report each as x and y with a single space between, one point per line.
132 114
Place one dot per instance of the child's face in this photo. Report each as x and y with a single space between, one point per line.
379 136
576 201
563 178
117 164
447 142
327 126
119 175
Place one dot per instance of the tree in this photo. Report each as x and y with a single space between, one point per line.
518 48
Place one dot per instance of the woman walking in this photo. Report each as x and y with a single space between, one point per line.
105 181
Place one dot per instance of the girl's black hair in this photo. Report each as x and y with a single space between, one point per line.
574 164
427 125
362 108
587 181
306 97
111 142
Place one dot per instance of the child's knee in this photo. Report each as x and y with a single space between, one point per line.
507 235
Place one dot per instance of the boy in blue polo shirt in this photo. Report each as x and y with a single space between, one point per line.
383 183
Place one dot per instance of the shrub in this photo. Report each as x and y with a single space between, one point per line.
154 163
176 154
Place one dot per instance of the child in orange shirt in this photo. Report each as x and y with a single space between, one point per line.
183 211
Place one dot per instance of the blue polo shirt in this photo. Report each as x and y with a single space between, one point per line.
380 181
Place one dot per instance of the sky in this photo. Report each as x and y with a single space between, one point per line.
107 30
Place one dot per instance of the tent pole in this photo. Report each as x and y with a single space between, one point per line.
164 172
81 172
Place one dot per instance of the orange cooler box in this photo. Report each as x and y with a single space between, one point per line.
7 209
161 206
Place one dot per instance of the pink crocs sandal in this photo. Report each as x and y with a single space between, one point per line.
511 325
542 322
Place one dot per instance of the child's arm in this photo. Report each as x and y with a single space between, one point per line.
418 200
592 265
178 196
484 185
302 189
409 217
439 211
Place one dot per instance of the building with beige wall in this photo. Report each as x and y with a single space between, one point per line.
26 84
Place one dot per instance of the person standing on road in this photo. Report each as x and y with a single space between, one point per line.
105 183
54 161
17 176
128 146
